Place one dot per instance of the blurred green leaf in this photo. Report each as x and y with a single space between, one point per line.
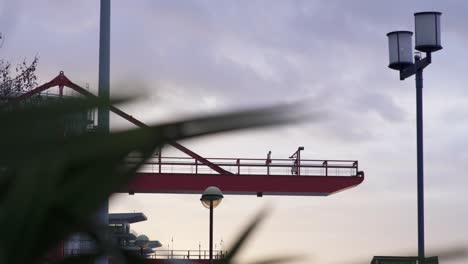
278 260
50 183
240 242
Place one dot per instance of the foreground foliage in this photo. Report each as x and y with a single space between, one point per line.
50 185
14 80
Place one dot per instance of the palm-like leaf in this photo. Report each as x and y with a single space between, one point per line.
240 243
50 184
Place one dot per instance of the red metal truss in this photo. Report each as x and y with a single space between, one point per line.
61 80
293 176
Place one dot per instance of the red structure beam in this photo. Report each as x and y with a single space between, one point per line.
241 184
61 80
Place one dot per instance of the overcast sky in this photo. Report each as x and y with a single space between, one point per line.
195 57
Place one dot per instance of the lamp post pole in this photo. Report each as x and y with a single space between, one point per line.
210 199
420 157
142 242
427 28
211 232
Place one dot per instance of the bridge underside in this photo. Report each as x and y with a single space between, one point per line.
241 184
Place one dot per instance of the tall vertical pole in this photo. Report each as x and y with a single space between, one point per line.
102 215
420 160
104 65
211 231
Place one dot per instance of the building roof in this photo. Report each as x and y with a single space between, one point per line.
154 244
127 218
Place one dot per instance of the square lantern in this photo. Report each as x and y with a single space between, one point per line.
400 49
427 29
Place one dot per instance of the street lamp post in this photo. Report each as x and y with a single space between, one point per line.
427 29
142 242
210 199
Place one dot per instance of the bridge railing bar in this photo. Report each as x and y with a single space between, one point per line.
249 166
185 254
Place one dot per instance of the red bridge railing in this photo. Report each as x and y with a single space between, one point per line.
186 254
247 166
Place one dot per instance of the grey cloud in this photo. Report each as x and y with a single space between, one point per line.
382 104
334 51
204 56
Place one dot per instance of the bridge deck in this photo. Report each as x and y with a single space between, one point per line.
247 176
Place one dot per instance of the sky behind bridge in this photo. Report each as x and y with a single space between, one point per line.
196 57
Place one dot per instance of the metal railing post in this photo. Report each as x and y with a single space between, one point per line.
159 161
355 164
298 163
325 163
268 161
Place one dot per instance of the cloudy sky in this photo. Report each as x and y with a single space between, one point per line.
194 57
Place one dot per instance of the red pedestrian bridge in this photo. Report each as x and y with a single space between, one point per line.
192 174
247 176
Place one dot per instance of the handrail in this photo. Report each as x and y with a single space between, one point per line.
263 159
88 246
252 166
248 165
186 254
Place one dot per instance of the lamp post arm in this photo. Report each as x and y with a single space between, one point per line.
418 65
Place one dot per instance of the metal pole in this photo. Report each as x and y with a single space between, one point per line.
211 231
103 92
420 160
299 162
159 159
104 64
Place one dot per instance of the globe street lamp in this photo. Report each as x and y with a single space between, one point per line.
142 242
427 29
210 199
